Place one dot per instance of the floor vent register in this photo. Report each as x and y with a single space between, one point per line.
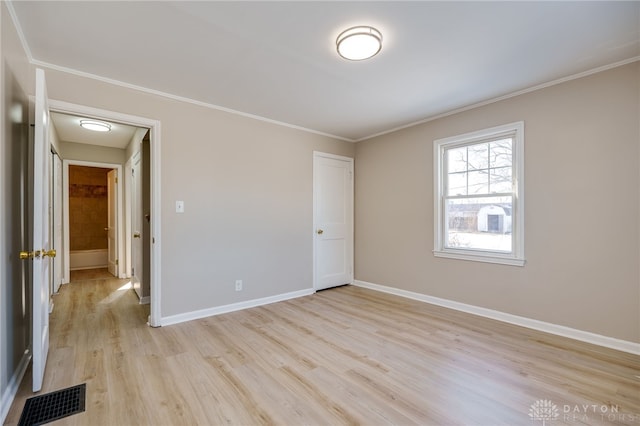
52 406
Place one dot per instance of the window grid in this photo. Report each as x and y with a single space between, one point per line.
472 222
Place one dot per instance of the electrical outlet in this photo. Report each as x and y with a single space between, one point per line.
238 285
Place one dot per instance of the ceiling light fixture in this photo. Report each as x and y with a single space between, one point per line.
358 43
96 126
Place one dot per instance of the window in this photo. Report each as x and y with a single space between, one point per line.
479 205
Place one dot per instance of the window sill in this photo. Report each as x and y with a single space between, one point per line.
480 257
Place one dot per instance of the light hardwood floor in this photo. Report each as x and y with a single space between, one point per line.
343 356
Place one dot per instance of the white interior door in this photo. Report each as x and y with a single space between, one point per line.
41 244
333 220
57 221
112 222
136 224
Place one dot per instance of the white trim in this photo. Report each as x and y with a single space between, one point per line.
36 62
350 160
504 97
16 23
156 221
218 310
558 330
65 212
182 99
14 384
516 257
127 218
493 258
155 316
144 300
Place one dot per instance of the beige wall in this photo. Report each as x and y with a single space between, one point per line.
581 204
247 188
95 153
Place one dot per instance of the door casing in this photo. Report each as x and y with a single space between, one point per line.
114 216
65 203
155 317
57 221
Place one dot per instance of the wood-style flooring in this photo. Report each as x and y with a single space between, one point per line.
342 356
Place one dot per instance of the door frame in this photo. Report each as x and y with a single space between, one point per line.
57 213
155 318
319 154
66 213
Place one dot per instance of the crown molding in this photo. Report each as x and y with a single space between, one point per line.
504 97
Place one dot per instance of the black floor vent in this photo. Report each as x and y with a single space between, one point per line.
53 406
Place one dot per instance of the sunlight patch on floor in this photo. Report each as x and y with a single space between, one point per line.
117 294
126 286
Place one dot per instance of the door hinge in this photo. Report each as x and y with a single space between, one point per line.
116 180
116 262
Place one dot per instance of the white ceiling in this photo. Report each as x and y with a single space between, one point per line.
68 130
277 60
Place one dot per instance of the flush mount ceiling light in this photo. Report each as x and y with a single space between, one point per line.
358 43
96 126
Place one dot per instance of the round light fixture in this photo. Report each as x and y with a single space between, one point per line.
358 43
96 126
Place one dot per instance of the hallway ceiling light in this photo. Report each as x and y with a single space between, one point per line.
358 43
96 126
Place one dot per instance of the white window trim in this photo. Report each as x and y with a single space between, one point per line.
516 257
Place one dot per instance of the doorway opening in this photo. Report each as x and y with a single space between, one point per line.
122 231
93 218
93 222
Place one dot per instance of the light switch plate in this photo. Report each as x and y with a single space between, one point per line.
179 206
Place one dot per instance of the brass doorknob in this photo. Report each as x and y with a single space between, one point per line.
319 231
30 254
50 253
136 235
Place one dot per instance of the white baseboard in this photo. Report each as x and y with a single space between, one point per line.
145 300
13 385
203 313
88 259
83 268
560 330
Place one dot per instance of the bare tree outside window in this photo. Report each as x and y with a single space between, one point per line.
479 185
478 195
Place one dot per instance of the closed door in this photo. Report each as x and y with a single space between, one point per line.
136 224
112 221
333 220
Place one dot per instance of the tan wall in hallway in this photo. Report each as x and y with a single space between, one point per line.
88 208
582 183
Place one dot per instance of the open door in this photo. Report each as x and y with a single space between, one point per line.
137 269
112 222
42 251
